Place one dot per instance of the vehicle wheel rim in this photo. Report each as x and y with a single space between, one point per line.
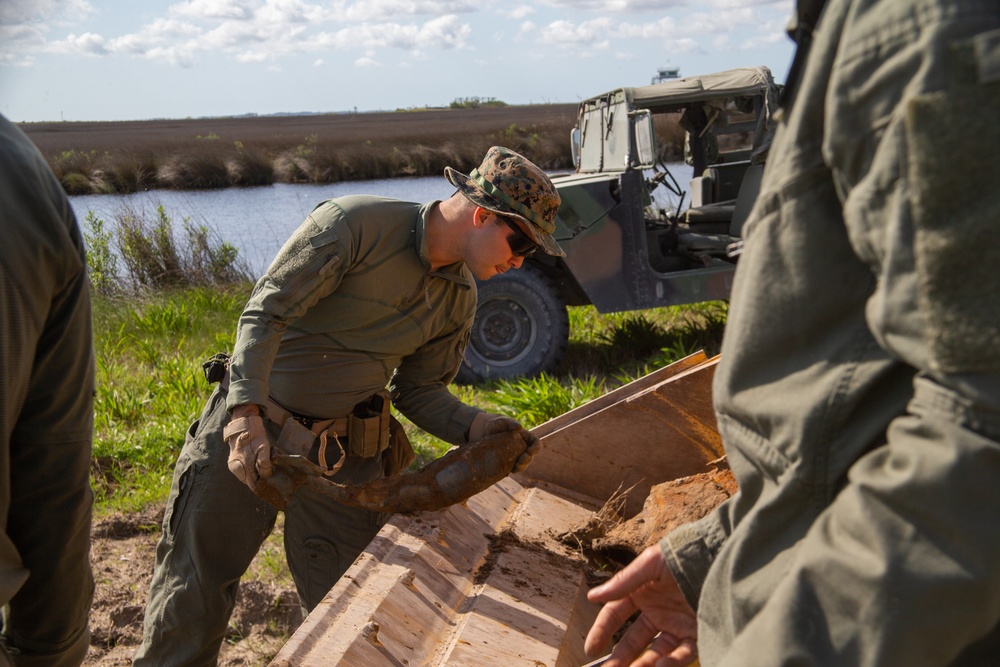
505 332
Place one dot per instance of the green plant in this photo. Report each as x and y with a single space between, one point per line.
152 257
102 263
533 401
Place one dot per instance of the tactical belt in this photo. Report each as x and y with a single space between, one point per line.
280 415
323 429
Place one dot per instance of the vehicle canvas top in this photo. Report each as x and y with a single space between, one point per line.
719 94
740 82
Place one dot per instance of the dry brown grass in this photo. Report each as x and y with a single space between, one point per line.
219 152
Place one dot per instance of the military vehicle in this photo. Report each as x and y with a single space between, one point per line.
625 250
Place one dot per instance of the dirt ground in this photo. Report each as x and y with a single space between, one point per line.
122 554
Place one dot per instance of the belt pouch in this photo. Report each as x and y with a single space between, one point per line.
368 427
400 454
295 438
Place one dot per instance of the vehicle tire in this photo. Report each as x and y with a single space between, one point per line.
521 328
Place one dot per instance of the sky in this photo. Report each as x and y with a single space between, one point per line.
91 60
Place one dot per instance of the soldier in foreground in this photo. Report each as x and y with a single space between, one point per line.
46 415
858 394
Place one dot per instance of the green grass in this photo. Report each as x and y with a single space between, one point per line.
150 385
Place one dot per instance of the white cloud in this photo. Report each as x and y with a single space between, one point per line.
755 43
614 6
252 57
517 13
87 43
735 4
378 10
365 61
24 25
290 11
566 33
181 57
215 9
684 45
443 32
319 62
722 21
656 30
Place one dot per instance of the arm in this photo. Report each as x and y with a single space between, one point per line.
420 388
308 267
420 391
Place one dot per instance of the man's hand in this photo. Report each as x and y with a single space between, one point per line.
489 424
666 632
249 446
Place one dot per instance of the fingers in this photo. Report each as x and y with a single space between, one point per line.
645 567
264 468
609 619
249 449
665 651
641 634
644 646
532 447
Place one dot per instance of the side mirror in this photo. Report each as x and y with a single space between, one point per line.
645 140
574 144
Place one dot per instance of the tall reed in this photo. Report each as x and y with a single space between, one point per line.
223 152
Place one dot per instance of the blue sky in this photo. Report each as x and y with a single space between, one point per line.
140 59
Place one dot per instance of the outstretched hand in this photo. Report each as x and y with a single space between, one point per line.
666 631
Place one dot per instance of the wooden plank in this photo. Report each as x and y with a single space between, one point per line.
646 437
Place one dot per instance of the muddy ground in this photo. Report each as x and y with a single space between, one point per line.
122 554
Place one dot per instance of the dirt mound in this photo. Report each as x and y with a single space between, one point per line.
123 550
668 505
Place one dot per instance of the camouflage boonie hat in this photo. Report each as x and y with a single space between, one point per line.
509 184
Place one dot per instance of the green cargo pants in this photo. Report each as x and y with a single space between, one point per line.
212 529
46 415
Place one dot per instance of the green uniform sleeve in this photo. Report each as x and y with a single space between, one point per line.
308 267
420 388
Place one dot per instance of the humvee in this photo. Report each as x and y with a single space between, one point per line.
624 249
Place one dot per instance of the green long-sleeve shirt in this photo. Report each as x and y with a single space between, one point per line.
349 305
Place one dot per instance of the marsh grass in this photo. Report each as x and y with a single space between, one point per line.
121 157
142 249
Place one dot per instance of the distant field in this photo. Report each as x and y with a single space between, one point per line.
91 157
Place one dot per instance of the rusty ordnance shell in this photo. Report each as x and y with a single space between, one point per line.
453 478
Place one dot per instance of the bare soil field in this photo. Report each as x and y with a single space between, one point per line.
122 553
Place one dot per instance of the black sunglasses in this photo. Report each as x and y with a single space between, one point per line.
520 244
